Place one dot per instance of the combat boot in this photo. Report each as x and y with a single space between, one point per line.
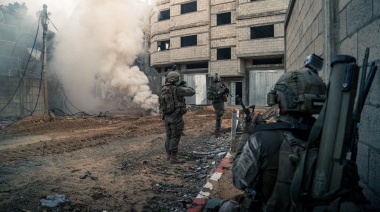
168 154
174 159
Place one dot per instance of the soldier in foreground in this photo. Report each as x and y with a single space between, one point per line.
217 92
300 163
173 107
267 154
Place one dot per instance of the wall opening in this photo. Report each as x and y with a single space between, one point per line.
266 31
164 15
189 7
223 18
163 45
189 41
223 54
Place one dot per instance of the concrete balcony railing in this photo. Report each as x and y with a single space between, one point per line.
160 58
188 54
257 47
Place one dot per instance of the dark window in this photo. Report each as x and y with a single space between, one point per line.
223 54
223 18
163 45
196 65
262 31
189 41
164 15
267 61
189 7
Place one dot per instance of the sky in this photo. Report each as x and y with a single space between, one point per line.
95 47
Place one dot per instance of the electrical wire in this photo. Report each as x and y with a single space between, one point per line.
23 75
53 24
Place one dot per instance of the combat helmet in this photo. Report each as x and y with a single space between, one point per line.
173 77
299 91
216 78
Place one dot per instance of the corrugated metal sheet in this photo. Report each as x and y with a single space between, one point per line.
260 83
198 82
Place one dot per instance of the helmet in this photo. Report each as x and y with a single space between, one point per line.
173 77
216 78
299 91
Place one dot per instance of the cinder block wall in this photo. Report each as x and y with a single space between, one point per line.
304 32
24 100
356 26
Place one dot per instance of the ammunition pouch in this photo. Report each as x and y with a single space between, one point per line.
225 99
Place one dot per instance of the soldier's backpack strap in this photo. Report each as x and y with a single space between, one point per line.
295 190
281 126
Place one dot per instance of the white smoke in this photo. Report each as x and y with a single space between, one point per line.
96 46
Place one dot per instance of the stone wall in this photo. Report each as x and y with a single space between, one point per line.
348 28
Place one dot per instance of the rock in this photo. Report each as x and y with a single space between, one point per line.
54 200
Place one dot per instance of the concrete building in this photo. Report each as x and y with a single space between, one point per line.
328 28
241 40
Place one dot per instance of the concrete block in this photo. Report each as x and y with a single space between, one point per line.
371 196
318 43
374 170
321 21
314 29
342 4
359 13
349 46
363 162
369 37
369 132
342 25
376 8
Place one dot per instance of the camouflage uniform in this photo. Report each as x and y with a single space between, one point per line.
217 90
174 123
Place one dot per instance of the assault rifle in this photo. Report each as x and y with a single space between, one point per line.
245 110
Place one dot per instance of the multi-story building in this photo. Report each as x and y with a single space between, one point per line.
241 40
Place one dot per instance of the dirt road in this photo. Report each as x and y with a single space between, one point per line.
123 156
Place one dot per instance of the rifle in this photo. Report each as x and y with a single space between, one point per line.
362 96
248 118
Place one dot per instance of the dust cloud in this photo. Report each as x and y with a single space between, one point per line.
95 49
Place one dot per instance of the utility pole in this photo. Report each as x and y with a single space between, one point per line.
44 71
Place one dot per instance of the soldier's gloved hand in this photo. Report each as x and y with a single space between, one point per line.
226 90
182 83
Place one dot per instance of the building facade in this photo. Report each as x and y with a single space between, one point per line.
327 28
241 40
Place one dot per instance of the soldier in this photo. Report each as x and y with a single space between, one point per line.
217 92
259 167
173 107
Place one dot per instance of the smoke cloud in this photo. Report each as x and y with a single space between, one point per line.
95 49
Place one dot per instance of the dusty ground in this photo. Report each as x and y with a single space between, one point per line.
125 154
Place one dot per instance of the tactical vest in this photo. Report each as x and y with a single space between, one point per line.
212 93
291 150
169 100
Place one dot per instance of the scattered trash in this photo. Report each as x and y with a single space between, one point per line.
88 174
54 200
